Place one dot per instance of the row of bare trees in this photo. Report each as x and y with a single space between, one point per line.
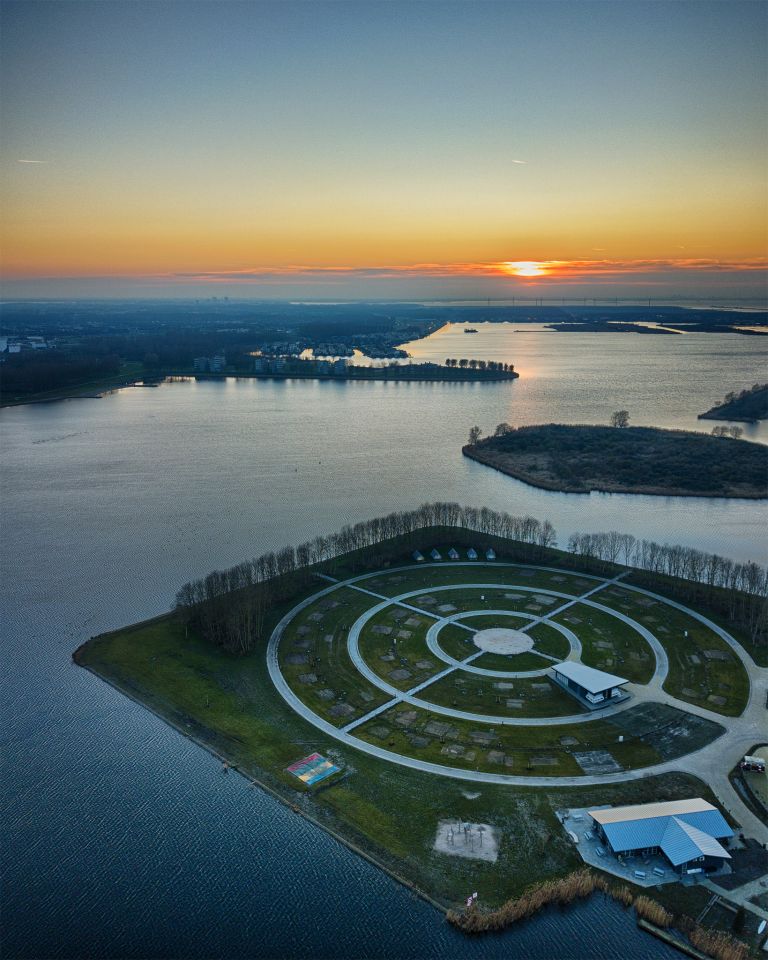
737 590
229 608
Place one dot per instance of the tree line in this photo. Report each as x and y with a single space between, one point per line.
229 608
464 364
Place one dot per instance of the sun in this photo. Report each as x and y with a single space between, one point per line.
525 268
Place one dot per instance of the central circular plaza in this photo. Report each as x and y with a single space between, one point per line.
503 640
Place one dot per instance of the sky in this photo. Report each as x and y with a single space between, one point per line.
342 150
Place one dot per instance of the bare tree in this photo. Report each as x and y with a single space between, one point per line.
474 436
620 418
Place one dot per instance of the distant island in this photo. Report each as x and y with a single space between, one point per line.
748 406
647 460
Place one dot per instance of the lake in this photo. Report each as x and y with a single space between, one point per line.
124 839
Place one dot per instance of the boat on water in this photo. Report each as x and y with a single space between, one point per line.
469 330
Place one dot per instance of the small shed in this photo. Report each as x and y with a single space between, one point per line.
435 554
453 554
490 554
472 554
418 556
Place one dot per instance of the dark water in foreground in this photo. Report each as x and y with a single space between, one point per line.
121 838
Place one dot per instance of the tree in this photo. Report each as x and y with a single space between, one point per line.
474 436
502 429
736 432
620 418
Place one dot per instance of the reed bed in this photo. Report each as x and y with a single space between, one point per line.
719 946
576 886
653 912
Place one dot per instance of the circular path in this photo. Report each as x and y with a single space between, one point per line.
710 763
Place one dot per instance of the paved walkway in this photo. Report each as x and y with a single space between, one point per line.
711 763
740 895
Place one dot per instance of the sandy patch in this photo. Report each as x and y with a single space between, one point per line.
472 841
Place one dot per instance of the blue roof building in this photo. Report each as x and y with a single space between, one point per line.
686 832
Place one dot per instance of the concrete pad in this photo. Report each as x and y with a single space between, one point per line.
436 728
597 762
470 841
503 640
341 710
400 674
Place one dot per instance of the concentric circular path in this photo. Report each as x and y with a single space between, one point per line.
711 763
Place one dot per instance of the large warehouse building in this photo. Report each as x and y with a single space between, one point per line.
686 832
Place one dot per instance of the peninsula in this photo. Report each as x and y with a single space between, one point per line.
646 460
284 668
747 406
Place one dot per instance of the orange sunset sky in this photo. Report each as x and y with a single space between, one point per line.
391 149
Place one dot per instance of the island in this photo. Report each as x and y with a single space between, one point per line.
320 674
748 406
644 460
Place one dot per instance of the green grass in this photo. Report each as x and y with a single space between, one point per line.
229 704
649 733
720 686
407 651
332 666
608 644
479 694
129 372
429 577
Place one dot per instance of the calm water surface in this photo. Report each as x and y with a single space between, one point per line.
123 839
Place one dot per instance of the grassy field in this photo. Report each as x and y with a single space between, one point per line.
608 644
401 650
519 697
703 669
389 812
392 584
323 675
638 737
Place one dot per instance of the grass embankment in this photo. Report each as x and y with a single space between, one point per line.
130 372
581 459
229 705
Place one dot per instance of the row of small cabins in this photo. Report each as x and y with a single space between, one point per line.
453 554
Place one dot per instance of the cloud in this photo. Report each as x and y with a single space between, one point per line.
32 161
550 271
519 161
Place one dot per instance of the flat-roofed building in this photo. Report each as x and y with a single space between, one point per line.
686 832
593 688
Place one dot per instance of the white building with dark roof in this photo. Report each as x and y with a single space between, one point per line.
686 832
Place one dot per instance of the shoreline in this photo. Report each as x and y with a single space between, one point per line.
253 780
95 391
645 492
